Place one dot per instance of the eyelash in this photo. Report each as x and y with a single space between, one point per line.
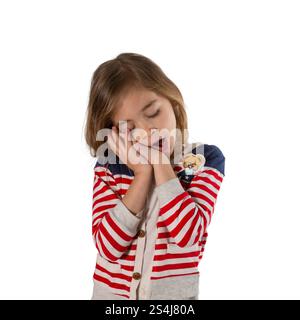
156 113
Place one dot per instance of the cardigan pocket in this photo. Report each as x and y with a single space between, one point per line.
174 248
183 287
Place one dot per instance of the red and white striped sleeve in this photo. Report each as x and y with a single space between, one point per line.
113 225
186 213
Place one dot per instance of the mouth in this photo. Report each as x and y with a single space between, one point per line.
158 144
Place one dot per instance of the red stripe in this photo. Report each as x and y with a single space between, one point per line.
162 235
123 180
105 174
106 198
176 255
117 229
197 195
96 244
170 219
98 218
203 188
105 207
122 295
183 242
161 246
128 257
114 285
101 190
97 182
111 239
110 183
205 222
123 192
198 234
132 247
174 275
182 223
113 274
103 247
207 180
175 266
172 203
94 229
128 268
213 173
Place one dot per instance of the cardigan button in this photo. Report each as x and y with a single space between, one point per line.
136 276
141 233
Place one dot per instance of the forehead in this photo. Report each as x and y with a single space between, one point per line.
132 101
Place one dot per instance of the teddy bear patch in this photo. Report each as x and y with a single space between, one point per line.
192 163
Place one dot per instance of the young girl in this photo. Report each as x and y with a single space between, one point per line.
154 193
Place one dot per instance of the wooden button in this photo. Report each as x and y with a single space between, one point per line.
141 233
136 276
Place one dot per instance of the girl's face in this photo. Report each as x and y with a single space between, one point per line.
144 109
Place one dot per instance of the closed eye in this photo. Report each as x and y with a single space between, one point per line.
154 115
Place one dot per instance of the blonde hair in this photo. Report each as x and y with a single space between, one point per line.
114 77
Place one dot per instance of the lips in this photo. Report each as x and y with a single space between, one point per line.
158 143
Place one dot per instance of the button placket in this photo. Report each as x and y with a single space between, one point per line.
137 272
149 251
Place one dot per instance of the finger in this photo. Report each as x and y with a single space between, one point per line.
135 157
117 137
114 133
125 140
129 137
121 145
115 140
142 151
122 130
155 155
111 142
125 136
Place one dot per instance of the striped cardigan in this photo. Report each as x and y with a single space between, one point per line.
161 263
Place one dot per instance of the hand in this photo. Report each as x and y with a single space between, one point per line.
153 155
124 149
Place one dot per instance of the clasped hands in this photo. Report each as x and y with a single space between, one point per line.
136 151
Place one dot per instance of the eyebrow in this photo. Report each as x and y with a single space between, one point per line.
149 104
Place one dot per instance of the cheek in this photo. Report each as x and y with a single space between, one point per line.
169 123
168 120
173 121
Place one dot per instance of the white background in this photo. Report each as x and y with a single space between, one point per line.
237 66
